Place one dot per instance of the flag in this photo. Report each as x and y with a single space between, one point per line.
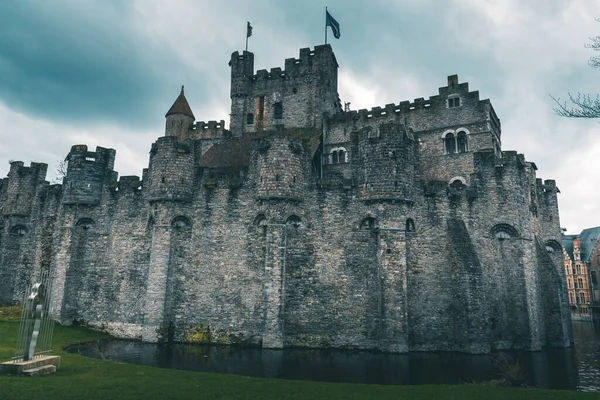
248 30
335 27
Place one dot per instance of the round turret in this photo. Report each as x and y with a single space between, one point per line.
280 172
179 118
171 170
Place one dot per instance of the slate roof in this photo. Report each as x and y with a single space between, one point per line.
234 153
180 106
567 242
587 238
588 241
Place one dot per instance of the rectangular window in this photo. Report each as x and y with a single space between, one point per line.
261 108
578 268
454 102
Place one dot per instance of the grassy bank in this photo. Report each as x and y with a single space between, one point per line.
85 378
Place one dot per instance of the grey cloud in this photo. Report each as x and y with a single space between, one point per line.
74 61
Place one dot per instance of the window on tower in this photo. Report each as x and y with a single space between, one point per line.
454 102
278 111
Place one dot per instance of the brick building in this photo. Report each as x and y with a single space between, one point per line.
582 266
403 227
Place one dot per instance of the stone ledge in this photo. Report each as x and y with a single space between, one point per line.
39 365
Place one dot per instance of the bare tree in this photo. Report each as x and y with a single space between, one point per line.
582 105
61 170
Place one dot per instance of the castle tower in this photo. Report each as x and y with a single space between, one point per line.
386 162
86 173
295 97
179 118
22 186
279 166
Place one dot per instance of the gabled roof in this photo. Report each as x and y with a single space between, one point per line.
181 106
235 152
567 242
588 242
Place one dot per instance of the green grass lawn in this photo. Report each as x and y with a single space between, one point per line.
86 378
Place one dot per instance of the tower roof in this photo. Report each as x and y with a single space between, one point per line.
181 106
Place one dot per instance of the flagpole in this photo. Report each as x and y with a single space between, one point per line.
325 25
247 22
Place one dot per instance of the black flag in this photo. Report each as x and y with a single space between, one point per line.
248 30
335 27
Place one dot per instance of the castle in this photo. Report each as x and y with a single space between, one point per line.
400 228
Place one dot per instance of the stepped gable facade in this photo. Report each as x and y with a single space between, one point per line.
399 228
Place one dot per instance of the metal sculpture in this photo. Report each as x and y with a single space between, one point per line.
36 329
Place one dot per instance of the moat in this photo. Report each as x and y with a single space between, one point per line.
574 368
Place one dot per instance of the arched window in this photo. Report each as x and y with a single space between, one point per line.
503 231
278 111
85 223
260 222
461 142
449 143
553 246
250 119
410 225
338 155
294 221
181 223
19 230
369 223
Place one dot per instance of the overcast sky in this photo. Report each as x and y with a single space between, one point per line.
104 72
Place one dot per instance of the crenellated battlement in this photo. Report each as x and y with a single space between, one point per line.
209 130
18 191
434 104
87 172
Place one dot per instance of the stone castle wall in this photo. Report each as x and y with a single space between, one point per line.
269 237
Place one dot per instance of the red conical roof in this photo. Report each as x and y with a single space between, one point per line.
180 106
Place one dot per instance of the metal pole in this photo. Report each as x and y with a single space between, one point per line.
325 25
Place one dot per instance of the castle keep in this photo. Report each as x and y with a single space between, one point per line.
400 228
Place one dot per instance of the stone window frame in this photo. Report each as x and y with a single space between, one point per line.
458 146
369 223
181 223
250 119
409 225
294 220
85 223
553 246
19 230
260 222
452 100
502 231
333 157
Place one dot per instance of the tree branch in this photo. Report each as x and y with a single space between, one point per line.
582 106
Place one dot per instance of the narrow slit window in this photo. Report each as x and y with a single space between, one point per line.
261 108
278 111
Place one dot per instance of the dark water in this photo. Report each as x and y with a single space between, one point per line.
574 368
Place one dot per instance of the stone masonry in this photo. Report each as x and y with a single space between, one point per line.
399 228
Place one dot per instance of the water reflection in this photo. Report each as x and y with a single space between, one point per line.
575 368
